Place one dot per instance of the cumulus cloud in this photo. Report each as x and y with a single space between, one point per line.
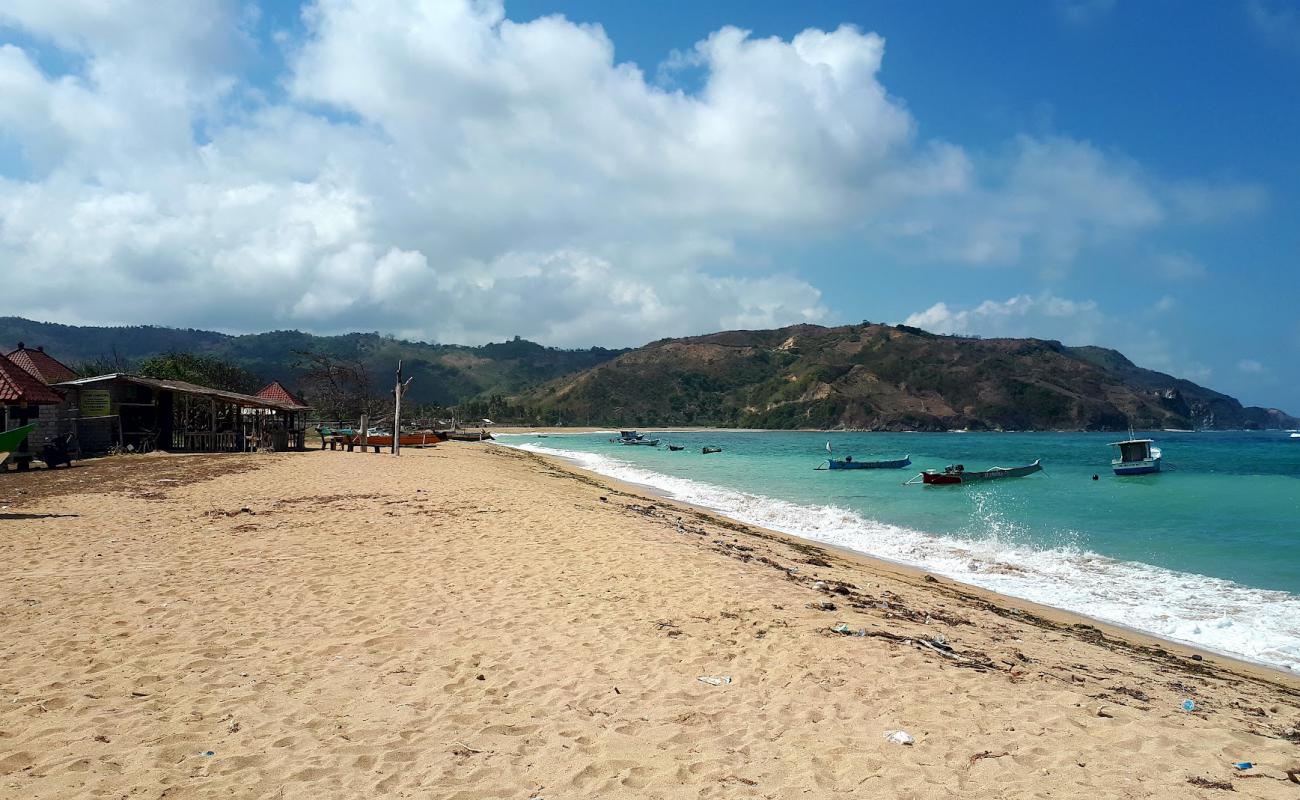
1251 367
1074 322
439 170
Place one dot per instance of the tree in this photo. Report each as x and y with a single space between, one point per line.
205 370
339 388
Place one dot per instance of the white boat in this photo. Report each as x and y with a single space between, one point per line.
1136 457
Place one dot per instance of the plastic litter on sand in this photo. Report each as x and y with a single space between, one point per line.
899 737
715 680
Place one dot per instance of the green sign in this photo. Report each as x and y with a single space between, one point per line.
96 403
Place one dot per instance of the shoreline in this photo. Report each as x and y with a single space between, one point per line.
916 572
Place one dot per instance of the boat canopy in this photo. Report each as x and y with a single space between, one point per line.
1134 449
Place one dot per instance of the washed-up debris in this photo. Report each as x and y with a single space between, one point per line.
988 754
824 605
899 737
715 680
1242 765
844 630
1206 783
1189 705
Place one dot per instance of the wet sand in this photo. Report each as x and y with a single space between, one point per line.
470 621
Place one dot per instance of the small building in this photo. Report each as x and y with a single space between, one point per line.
177 416
52 420
22 395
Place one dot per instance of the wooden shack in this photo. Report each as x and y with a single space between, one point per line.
178 416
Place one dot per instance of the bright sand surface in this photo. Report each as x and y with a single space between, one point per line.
475 622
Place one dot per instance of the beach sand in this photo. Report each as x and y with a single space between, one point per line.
475 622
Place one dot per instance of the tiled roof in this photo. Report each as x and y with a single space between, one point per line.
276 391
44 366
20 387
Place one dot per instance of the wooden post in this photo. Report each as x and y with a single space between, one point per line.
398 391
365 432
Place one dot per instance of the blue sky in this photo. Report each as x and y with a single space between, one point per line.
579 173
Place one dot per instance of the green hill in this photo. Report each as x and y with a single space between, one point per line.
444 374
881 377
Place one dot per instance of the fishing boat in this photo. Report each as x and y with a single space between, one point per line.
11 439
848 463
675 447
466 436
385 439
627 436
707 450
644 442
956 473
1136 457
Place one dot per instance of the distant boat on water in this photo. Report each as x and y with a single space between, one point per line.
708 450
634 438
848 463
954 474
1136 457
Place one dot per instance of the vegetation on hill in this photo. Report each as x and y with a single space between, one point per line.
445 375
881 377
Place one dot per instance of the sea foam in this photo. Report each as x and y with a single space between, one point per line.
1211 613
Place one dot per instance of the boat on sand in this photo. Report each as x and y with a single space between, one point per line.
10 439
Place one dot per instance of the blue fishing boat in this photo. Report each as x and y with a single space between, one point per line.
1136 457
848 463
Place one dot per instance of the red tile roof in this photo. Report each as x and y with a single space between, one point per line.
19 387
44 366
276 391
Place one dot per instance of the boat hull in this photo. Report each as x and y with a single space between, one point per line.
407 440
897 464
465 436
954 478
1136 467
10 439
641 443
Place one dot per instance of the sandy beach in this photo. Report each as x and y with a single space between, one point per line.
471 621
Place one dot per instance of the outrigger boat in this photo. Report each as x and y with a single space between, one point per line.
418 439
675 447
956 473
707 450
634 438
466 436
848 463
10 439
1136 457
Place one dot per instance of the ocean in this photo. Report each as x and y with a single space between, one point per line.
1206 553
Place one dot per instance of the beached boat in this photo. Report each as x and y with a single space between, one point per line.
466 436
848 463
1136 457
956 474
418 439
10 439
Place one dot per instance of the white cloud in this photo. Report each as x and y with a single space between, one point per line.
1044 315
440 170
1073 322
1251 367
1166 303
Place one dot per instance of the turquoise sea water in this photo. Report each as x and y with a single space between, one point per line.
1207 552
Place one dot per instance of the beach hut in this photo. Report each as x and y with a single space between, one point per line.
22 395
53 420
179 416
